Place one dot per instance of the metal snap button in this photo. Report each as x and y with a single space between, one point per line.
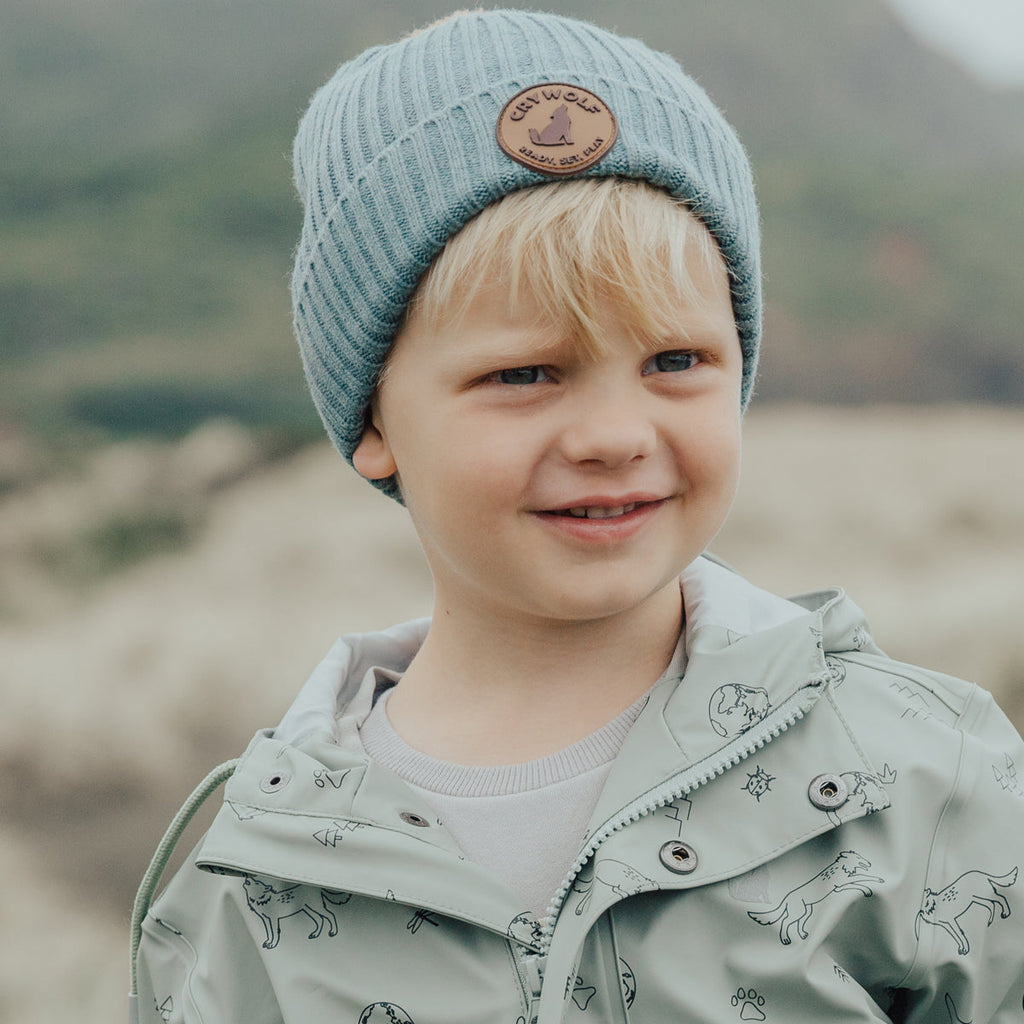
678 857
410 818
827 792
272 783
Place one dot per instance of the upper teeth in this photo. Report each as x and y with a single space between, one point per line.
583 512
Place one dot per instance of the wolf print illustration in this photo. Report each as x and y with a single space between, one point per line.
848 872
621 878
942 908
272 906
556 132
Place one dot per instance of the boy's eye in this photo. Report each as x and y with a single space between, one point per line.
521 375
671 362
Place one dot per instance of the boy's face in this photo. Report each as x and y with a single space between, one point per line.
548 484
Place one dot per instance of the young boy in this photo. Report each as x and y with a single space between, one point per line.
610 780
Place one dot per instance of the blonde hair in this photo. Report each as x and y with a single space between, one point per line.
574 248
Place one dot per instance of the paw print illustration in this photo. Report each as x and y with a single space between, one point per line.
750 1004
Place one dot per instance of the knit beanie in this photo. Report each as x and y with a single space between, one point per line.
407 142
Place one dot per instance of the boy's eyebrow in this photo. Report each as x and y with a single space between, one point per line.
478 362
513 347
552 341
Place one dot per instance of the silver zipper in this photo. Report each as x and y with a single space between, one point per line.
773 725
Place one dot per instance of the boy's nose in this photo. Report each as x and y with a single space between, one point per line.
607 429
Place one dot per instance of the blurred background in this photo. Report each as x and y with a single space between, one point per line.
178 545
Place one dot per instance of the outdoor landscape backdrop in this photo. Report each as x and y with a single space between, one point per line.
178 546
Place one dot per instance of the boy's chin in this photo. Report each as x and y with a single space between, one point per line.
584 605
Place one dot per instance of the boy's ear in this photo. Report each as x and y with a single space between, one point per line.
372 457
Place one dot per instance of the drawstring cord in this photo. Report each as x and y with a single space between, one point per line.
163 854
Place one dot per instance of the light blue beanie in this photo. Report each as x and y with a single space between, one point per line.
402 146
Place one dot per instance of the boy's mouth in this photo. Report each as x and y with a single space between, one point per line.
597 511
603 511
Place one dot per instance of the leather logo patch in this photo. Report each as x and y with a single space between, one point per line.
556 128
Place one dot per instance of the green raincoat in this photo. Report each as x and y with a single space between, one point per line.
799 830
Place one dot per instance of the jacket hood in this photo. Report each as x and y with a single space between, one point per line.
721 608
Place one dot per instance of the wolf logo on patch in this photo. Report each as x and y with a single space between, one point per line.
556 128
557 133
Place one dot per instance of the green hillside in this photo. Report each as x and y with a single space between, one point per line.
147 214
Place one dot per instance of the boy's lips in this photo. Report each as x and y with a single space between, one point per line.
598 511
603 508
603 520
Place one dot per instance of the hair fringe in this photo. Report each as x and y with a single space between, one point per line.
574 248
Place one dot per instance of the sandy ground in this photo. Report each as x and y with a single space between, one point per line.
118 695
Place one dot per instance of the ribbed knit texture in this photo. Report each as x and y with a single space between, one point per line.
397 151
386 747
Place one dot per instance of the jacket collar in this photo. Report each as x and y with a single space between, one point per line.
756 663
721 608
